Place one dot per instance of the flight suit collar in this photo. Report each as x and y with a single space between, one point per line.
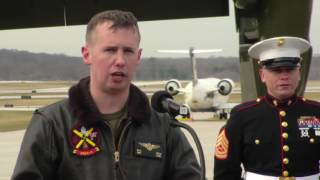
87 112
281 104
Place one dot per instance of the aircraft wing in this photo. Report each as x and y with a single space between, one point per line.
16 14
187 51
228 106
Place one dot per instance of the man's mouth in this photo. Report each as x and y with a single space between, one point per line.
118 74
284 85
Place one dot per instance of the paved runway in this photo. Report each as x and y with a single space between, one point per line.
10 143
9 148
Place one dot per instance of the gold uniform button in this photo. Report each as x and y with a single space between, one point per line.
286 148
284 124
258 99
311 140
285 135
282 113
285 173
285 161
257 141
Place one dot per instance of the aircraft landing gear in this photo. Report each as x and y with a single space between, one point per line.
223 115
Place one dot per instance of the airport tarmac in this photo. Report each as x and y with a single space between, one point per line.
206 130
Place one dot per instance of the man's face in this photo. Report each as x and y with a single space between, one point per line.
281 82
113 55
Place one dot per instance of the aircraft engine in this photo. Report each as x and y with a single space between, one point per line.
173 86
225 86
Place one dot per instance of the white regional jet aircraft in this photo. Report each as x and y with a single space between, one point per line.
205 94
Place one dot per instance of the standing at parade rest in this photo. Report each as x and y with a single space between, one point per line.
277 136
106 129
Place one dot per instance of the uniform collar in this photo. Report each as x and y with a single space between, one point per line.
281 104
87 112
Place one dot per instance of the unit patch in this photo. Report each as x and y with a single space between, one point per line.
85 141
309 122
148 149
222 146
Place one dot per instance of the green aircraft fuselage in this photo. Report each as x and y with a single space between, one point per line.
261 19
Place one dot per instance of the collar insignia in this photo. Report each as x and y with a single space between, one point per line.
85 142
275 102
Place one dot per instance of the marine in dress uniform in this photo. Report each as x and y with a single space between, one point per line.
272 138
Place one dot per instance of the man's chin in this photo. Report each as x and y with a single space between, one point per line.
285 94
117 88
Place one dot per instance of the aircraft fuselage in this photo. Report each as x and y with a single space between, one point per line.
204 95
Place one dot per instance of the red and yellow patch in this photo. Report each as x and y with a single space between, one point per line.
222 146
85 141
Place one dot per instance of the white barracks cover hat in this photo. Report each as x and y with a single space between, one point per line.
279 51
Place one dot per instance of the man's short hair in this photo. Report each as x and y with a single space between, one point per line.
120 19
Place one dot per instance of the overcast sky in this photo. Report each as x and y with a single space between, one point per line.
201 33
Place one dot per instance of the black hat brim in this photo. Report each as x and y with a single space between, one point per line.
290 62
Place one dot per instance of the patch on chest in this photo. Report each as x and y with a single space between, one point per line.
148 149
309 122
85 141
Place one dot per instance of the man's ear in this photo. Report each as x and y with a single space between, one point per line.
139 55
85 55
299 74
261 74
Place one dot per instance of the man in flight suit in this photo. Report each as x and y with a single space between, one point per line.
106 129
276 136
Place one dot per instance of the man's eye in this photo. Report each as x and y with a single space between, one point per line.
128 51
276 70
110 50
289 70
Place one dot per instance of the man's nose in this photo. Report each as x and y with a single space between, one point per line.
121 58
284 75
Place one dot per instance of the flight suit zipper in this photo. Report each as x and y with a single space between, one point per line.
117 148
113 145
